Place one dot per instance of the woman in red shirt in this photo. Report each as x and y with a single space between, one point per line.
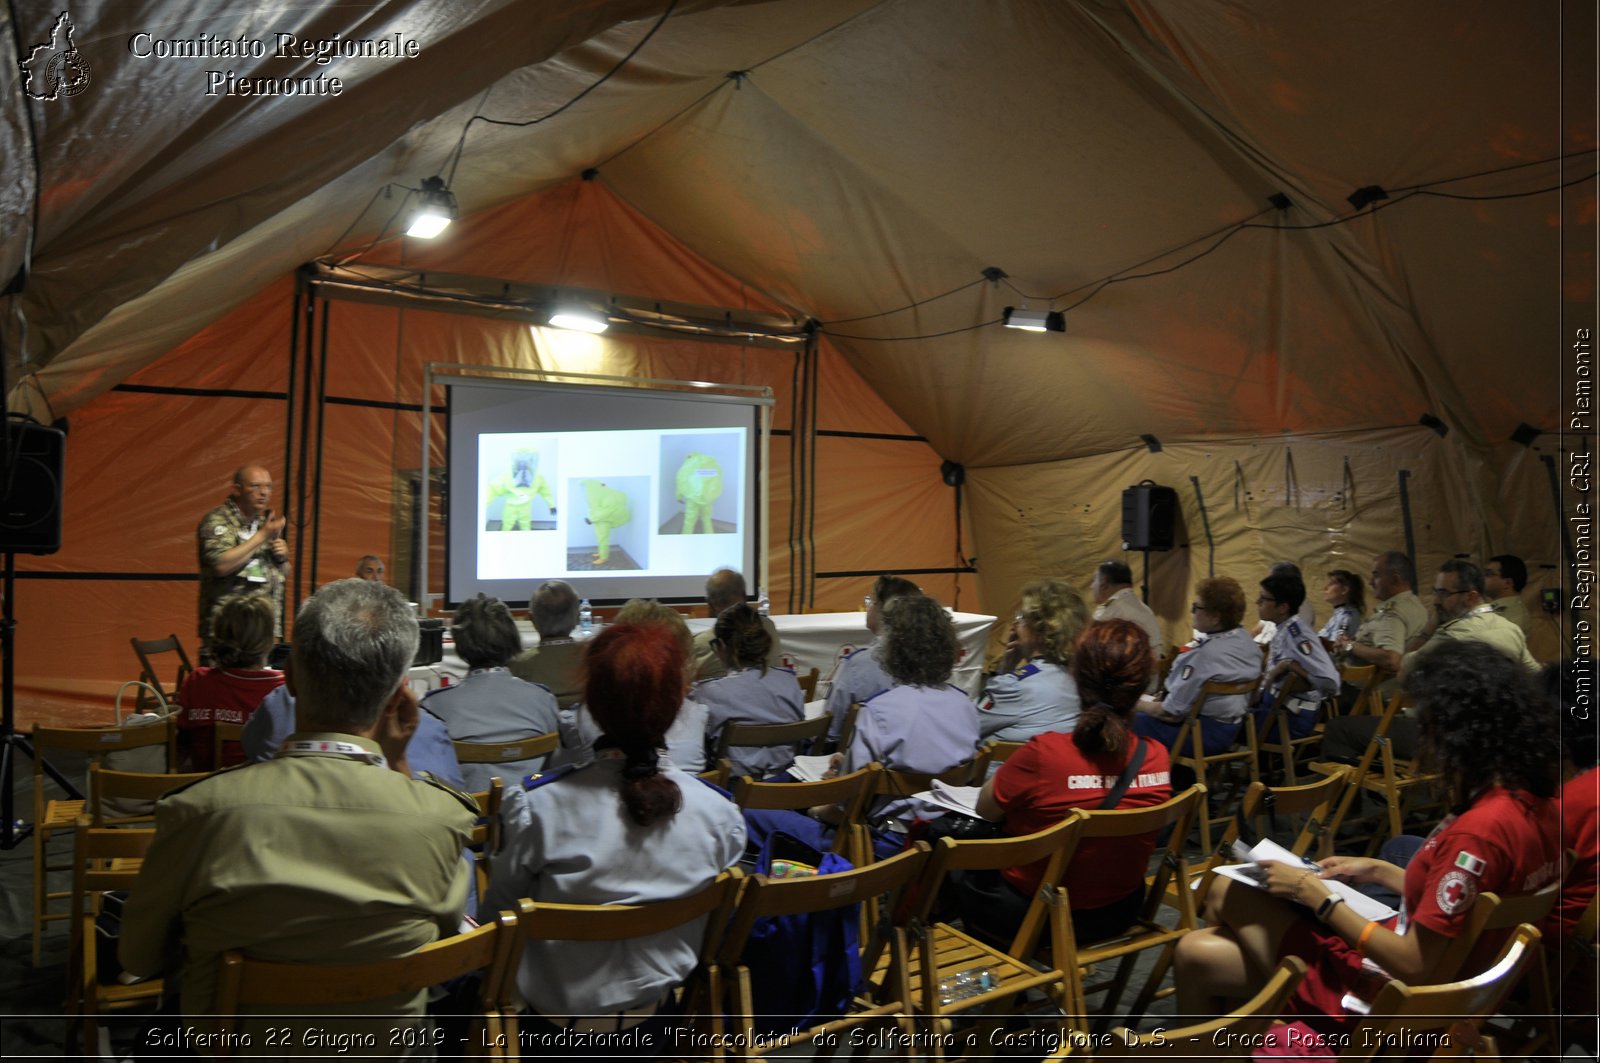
1054 773
241 640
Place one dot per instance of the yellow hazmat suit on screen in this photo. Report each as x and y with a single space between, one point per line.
519 489
608 508
699 485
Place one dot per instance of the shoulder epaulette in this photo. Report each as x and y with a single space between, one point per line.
544 778
1025 669
466 799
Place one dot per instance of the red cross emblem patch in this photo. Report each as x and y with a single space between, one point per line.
1456 891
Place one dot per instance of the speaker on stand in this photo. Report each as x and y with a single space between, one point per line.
1149 522
30 523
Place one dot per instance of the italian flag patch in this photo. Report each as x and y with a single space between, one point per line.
1469 863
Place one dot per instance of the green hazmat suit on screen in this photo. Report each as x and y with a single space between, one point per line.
699 484
519 489
608 508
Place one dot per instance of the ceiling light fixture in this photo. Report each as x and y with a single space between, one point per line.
578 320
1034 320
435 210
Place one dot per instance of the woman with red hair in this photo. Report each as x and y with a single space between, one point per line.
623 828
1054 773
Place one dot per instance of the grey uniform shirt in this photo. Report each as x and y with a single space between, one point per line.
911 728
492 705
1344 621
748 696
569 840
860 676
1231 656
1295 642
1036 697
685 740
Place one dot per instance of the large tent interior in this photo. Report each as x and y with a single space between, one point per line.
1317 266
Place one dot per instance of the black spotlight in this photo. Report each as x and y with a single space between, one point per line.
1280 201
953 473
1365 195
1438 427
1525 434
1152 442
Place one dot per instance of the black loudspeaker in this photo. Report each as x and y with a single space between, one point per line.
1149 517
30 491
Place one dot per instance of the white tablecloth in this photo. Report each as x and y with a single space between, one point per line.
810 640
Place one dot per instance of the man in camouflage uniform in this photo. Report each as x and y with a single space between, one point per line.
241 548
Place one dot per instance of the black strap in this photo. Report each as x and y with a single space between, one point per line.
1114 798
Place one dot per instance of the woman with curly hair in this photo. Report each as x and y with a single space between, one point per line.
1493 739
1228 654
624 828
1054 773
752 692
491 704
1033 692
1348 596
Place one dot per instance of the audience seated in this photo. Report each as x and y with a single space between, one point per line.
1492 737
1294 650
1348 596
231 691
1112 588
328 853
1265 630
1032 691
554 662
725 589
752 691
1396 620
1504 576
625 828
861 674
491 704
686 738
1227 654
1055 773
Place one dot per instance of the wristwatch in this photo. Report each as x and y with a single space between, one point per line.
1329 903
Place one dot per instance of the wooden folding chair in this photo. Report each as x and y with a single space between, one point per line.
256 987
1444 1018
511 752
148 648
124 798
1147 931
104 859
808 684
700 996
992 754
222 732
798 734
1277 737
941 951
1365 678
1233 1036
764 898
54 816
1381 772
847 727
486 831
1261 808
719 774
849 792
1188 749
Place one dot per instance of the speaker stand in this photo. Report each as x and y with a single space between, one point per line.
12 831
1144 583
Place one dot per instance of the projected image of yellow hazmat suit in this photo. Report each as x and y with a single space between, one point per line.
519 490
608 508
699 485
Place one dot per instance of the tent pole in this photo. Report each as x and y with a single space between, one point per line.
305 446
1205 521
296 310
1405 516
322 421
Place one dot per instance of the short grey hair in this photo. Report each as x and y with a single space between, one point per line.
353 642
485 633
554 609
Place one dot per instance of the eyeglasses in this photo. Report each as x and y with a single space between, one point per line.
1445 592
866 603
1266 600
1196 607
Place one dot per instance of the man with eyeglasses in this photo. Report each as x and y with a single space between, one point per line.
1504 576
1463 616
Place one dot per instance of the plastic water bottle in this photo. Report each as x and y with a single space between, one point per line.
763 605
585 618
965 984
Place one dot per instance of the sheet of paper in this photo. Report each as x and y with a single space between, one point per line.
963 799
811 769
1251 874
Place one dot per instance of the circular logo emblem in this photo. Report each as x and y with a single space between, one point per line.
1456 891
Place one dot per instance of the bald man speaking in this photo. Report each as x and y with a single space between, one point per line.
241 549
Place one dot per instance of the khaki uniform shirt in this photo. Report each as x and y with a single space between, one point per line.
1512 609
220 531
1125 605
1483 624
322 857
555 665
1395 622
